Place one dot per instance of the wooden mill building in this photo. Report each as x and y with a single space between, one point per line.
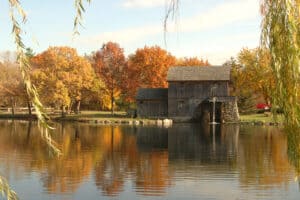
152 102
191 95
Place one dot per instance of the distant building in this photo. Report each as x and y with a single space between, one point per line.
192 93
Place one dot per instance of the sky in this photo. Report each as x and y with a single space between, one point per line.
210 29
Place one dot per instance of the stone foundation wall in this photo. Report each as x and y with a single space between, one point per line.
230 112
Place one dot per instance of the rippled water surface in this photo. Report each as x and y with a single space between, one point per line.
125 162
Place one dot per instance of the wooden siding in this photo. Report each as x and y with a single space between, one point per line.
185 97
199 90
152 108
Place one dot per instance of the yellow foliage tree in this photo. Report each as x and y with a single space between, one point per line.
61 75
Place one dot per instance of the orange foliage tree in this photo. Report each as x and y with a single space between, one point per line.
192 61
147 67
109 63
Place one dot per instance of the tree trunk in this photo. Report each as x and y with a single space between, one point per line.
12 106
29 108
63 111
70 107
112 97
77 109
112 102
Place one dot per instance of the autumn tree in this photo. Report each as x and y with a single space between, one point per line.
239 86
191 61
251 77
109 63
12 91
147 67
13 88
96 98
258 72
61 75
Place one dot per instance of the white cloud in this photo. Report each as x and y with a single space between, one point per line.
143 3
218 50
213 19
221 15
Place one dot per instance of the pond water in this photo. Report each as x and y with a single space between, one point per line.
185 161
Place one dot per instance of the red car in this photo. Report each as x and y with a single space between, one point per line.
263 107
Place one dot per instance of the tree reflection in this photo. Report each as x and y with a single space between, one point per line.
148 157
109 173
263 161
105 152
294 151
124 159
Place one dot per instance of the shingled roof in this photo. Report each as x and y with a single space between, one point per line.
211 73
152 94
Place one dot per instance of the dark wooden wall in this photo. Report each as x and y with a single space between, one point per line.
185 97
152 108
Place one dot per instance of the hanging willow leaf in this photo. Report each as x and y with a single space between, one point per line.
25 68
6 191
78 18
281 34
23 59
170 13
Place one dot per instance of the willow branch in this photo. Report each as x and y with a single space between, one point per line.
6 191
78 17
25 68
170 14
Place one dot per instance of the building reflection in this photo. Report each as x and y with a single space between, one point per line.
150 157
204 144
294 150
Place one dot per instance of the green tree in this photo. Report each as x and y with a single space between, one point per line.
29 52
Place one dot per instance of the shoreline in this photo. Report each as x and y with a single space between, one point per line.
123 120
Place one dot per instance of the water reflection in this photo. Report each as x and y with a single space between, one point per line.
209 144
294 151
149 160
263 159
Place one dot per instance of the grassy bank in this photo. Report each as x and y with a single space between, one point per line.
98 117
57 115
92 115
261 118
17 116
